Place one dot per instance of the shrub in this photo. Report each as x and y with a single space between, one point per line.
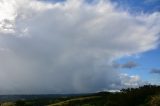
8 104
155 101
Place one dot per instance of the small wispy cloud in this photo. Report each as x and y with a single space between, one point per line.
155 71
127 65
130 65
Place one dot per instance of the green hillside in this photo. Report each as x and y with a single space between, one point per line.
144 96
147 95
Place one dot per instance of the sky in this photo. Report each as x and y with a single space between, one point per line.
78 46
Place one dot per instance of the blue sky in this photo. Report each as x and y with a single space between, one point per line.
146 62
139 5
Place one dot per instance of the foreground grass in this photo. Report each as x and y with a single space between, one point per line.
75 100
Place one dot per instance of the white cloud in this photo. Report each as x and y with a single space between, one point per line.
70 46
131 81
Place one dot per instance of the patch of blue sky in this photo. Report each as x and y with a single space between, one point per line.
146 61
135 6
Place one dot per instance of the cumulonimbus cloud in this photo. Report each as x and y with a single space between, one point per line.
67 47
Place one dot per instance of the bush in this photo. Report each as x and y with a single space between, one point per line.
8 104
155 101
20 103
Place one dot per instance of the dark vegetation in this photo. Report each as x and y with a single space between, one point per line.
148 95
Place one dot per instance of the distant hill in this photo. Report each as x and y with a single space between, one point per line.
148 95
31 97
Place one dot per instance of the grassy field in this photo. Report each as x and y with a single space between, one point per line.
75 100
